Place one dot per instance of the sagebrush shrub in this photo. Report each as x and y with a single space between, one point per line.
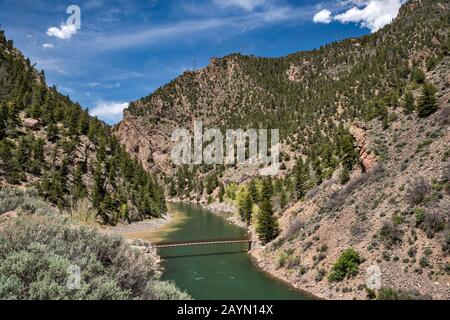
392 294
417 191
36 252
346 266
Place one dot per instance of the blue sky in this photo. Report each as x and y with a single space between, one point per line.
125 49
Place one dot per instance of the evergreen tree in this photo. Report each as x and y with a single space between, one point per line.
283 199
52 132
301 179
245 205
172 189
3 121
418 76
348 152
221 192
345 175
427 104
408 103
266 224
78 189
267 188
253 191
98 192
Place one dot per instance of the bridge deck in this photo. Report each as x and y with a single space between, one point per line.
200 243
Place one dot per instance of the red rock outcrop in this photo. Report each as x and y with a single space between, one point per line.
367 159
293 73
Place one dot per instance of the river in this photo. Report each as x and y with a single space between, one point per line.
214 271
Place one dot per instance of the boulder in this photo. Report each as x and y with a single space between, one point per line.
31 123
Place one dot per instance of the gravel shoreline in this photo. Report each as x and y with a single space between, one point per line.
221 208
145 225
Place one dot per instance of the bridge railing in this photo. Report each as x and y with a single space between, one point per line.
203 241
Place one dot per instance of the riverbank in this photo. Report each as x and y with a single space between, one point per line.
143 226
230 210
225 209
268 265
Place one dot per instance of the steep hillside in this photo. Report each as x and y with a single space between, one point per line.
364 124
312 97
49 142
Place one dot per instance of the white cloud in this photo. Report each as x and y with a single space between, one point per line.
372 14
199 27
109 111
248 5
64 32
48 46
323 16
104 85
277 14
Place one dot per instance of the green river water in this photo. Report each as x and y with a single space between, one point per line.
202 272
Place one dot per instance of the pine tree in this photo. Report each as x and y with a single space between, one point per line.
418 76
221 192
427 104
345 175
38 162
52 132
348 152
301 178
253 191
408 103
266 224
98 192
3 120
267 188
283 199
245 205
79 190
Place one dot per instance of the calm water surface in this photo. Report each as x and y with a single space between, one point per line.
207 275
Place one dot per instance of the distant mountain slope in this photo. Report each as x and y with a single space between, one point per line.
49 142
307 95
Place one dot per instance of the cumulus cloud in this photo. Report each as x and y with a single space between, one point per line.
64 32
373 14
48 46
248 5
109 111
323 16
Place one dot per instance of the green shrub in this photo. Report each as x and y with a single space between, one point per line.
390 234
26 201
431 221
37 251
446 243
287 259
392 294
424 262
417 191
346 266
320 275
